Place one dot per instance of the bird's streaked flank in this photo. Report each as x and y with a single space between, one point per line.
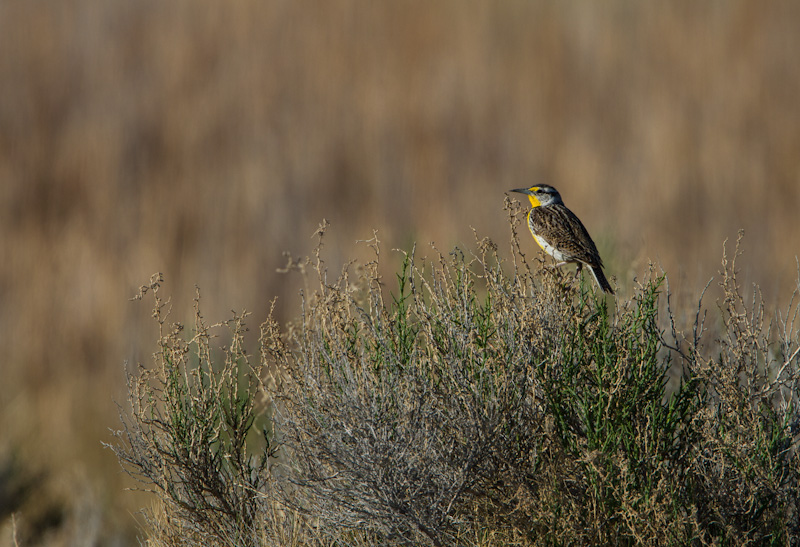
561 234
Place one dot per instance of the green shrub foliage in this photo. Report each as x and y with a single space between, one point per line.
476 401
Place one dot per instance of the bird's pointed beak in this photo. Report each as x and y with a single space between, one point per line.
525 191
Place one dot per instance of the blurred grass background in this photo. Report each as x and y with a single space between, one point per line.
203 139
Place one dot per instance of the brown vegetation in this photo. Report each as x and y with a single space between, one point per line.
474 402
205 139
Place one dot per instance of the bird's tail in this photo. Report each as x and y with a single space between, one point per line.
600 277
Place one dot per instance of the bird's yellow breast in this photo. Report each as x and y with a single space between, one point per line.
545 245
534 201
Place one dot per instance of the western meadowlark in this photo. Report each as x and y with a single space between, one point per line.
561 234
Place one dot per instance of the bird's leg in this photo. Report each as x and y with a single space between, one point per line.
578 270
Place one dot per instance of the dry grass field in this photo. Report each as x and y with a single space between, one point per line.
204 139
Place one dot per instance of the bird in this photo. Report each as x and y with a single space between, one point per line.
561 234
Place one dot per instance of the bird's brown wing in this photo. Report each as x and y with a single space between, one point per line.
563 230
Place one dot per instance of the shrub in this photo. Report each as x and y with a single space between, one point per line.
189 434
475 403
742 477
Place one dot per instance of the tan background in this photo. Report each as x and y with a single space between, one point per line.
203 139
